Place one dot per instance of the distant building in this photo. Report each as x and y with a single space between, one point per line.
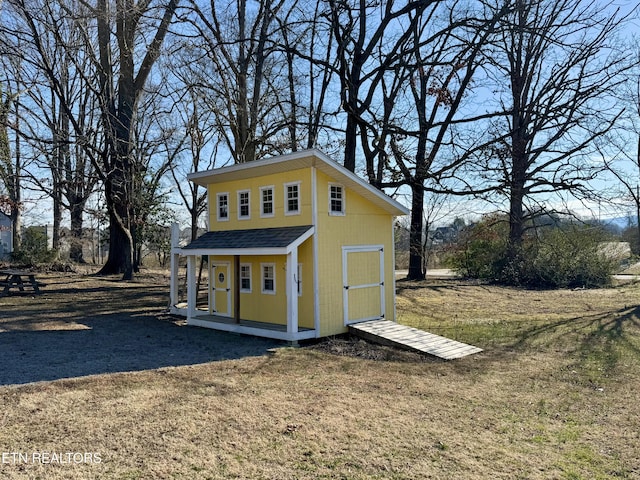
444 235
6 236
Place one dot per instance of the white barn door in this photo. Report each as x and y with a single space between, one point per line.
363 283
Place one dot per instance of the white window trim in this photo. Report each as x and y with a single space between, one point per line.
262 278
218 195
286 199
273 201
240 216
344 208
250 289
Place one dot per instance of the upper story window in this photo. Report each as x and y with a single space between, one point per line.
222 206
244 201
336 199
266 201
292 198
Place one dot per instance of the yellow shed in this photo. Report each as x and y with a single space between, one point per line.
298 247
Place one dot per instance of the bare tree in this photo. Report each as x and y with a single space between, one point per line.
370 40
121 90
307 44
425 137
558 65
232 60
406 74
11 164
122 40
198 133
72 175
620 149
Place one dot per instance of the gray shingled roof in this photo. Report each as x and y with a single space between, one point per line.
253 238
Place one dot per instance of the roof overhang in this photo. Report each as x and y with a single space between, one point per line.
260 241
299 160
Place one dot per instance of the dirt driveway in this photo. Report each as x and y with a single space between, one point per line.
85 325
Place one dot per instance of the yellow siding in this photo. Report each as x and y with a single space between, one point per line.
253 185
269 308
256 305
363 224
305 301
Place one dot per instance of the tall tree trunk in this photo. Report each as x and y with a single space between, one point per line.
57 218
120 259
519 140
350 143
516 221
416 272
16 192
118 117
519 167
637 196
75 251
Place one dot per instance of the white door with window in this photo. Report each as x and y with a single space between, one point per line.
363 283
220 289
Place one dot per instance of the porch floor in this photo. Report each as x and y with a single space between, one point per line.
246 323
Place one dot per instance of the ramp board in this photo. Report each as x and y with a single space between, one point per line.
402 336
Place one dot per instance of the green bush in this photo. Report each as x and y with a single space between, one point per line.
572 257
479 249
33 249
567 256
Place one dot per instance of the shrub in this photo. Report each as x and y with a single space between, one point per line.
479 249
571 257
33 249
567 256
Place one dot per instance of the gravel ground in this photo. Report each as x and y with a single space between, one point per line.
51 336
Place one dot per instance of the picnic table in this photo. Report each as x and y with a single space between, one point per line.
19 278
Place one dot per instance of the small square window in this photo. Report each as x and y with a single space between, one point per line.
292 198
244 202
268 278
336 199
223 206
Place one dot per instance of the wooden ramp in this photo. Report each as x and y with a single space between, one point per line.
402 336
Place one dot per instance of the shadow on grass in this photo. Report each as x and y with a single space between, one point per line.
74 332
437 285
597 341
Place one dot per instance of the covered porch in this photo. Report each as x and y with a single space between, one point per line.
230 306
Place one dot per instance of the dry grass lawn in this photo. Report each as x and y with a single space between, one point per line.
554 395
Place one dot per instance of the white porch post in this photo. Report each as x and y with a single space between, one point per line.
191 286
292 291
175 263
